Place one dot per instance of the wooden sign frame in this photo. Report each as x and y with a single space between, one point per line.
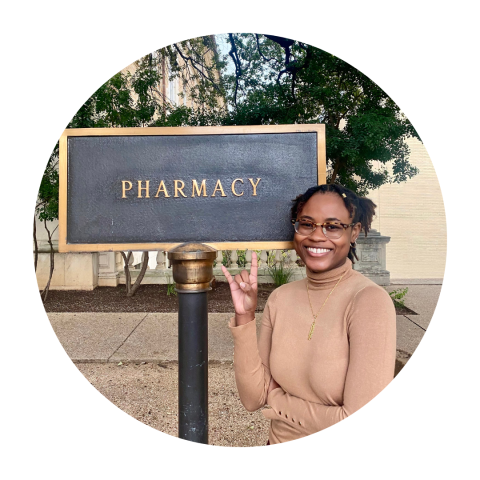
64 247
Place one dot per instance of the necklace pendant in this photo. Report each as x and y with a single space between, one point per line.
311 308
311 331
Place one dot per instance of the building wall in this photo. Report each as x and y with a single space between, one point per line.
413 215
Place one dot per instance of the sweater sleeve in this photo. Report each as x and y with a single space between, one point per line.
371 329
251 360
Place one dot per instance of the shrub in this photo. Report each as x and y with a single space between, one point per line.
280 273
170 286
398 296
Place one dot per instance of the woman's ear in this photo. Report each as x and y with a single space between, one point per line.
356 229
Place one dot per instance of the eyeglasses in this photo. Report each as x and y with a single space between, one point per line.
330 230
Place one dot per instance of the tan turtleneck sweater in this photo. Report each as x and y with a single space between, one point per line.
348 361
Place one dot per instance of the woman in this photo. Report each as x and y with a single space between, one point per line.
327 343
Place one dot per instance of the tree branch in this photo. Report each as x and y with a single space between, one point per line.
238 67
187 58
260 52
45 291
336 168
292 67
128 281
140 275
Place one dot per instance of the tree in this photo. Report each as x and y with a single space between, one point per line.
47 210
138 99
277 80
131 289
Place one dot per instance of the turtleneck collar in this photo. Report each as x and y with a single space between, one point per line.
324 280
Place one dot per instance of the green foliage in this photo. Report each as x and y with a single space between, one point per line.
280 273
136 100
170 286
226 258
271 258
47 201
282 81
242 258
398 296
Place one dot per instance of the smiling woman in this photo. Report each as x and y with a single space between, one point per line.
327 343
343 215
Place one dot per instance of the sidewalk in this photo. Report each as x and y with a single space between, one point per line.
153 337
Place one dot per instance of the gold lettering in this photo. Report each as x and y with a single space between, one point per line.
124 182
179 189
254 185
218 187
203 187
162 188
146 188
179 186
233 187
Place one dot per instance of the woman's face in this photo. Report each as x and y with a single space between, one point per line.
318 252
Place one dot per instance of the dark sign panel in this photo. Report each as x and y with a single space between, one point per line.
152 188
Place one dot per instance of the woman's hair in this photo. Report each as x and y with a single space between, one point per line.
361 209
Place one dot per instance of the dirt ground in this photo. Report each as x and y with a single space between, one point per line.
150 298
149 393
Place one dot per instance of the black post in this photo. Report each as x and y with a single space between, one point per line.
192 268
193 366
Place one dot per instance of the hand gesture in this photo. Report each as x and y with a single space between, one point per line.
244 292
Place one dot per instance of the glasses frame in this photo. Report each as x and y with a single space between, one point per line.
315 225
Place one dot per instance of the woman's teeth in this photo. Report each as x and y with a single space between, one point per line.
318 250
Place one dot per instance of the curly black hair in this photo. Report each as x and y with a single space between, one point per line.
361 209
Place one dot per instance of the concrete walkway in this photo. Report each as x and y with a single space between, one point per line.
153 337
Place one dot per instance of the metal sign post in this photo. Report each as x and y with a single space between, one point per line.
192 265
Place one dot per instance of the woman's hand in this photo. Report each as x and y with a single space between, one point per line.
244 292
273 385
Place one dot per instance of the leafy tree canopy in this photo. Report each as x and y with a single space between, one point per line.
263 80
282 81
47 200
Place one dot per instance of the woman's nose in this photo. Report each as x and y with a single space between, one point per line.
318 234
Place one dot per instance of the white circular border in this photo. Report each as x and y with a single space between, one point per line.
56 424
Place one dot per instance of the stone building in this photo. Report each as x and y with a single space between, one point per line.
412 214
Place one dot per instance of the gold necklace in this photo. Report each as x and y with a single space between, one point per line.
311 308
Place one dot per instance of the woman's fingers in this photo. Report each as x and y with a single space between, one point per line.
244 280
238 279
254 269
243 283
229 278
